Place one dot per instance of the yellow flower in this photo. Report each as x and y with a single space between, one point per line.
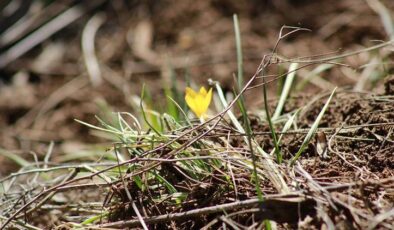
198 102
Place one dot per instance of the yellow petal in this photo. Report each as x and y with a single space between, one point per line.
203 91
191 92
201 108
207 99
198 102
190 101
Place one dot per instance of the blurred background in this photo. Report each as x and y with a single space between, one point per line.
62 60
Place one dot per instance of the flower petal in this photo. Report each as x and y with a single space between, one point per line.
203 91
205 100
191 92
190 101
198 102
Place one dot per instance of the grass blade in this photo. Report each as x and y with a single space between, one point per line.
312 75
144 113
17 159
271 125
285 90
312 130
238 44
242 106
